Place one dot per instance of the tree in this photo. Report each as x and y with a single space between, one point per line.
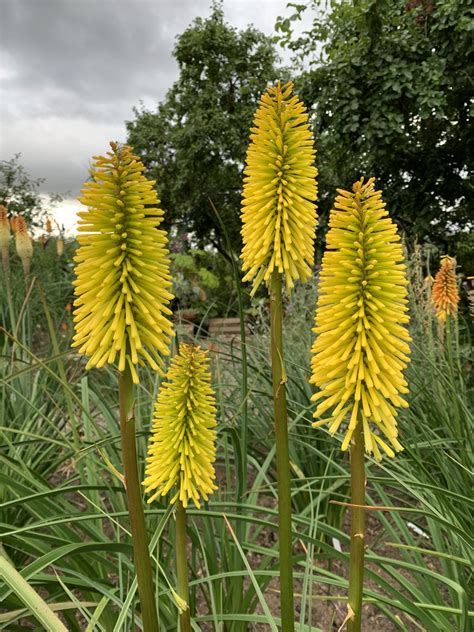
390 84
194 144
19 192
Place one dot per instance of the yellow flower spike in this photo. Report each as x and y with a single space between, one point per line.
362 343
444 292
122 267
23 242
182 450
48 225
278 210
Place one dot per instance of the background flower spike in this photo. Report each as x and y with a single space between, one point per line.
444 292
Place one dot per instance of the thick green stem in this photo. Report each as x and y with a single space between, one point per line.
356 568
282 456
182 566
141 552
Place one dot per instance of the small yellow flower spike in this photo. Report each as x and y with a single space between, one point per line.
122 267
278 210
361 347
182 448
444 293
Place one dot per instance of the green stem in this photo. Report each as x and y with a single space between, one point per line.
182 566
141 552
8 288
282 455
356 568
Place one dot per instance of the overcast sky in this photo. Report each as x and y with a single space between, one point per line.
72 70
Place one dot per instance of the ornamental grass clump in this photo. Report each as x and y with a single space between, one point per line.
122 267
362 346
182 448
121 309
278 230
444 292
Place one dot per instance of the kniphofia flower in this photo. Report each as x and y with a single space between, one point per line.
444 293
182 450
23 243
48 225
122 267
4 229
361 348
278 206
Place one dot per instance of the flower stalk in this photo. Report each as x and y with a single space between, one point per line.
282 455
356 565
136 514
182 566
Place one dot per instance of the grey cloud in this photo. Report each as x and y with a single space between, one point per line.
95 51
72 70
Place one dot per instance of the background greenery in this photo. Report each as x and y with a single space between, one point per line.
389 85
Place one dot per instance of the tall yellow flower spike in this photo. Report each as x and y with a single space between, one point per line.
182 448
361 347
278 210
444 293
122 267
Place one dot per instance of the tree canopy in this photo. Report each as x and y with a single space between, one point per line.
194 144
390 83
19 192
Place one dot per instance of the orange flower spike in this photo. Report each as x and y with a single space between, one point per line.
23 242
445 293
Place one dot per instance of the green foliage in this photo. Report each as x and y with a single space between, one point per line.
202 280
19 192
194 144
390 84
63 516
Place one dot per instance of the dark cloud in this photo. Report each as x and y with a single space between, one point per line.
72 70
74 57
